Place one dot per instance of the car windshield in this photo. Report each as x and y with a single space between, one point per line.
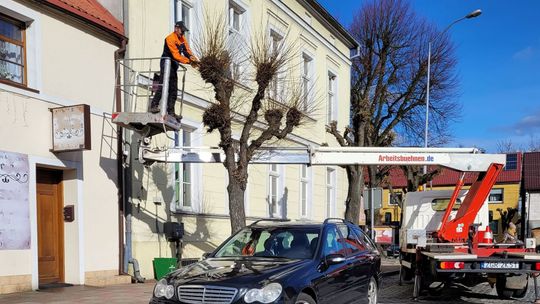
272 242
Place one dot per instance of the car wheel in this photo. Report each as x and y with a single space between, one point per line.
304 298
373 291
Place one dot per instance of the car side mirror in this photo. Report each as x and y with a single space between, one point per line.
206 255
333 259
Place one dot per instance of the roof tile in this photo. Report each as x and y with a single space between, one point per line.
531 171
92 11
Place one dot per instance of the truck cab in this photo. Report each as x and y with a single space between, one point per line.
424 211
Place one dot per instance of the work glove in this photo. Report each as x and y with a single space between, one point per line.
194 62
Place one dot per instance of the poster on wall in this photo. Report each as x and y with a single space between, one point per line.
384 235
14 205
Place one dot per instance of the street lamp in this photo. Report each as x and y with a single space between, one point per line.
472 14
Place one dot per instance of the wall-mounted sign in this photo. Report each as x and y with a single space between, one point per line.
14 206
71 128
384 235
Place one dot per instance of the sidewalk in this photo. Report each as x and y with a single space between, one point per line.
118 294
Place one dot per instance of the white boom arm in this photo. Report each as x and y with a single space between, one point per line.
461 159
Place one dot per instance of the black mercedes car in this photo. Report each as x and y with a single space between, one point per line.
281 262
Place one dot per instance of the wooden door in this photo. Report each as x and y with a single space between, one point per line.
50 226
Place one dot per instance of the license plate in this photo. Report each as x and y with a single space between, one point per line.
499 265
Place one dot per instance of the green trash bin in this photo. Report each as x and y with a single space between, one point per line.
163 266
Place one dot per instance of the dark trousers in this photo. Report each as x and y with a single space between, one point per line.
173 86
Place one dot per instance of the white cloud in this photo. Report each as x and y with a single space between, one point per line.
524 54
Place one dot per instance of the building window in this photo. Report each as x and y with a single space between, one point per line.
511 162
330 191
395 199
183 12
496 196
274 199
494 226
331 107
183 174
276 41
305 190
441 204
387 217
12 50
306 80
236 17
237 20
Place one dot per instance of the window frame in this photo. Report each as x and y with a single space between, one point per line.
456 206
238 37
240 10
307 180
331 190
499 201
179 168
331 109
276 175
390 201
23 44
276 38
195 130
307 78
511 165
179 16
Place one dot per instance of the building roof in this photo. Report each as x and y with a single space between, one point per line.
92 11
449 177
531 171
332 24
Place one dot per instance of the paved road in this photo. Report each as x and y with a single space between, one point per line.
391 292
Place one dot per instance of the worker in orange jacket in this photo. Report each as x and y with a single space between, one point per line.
176 47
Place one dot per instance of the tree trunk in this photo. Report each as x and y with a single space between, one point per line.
355 177
236 204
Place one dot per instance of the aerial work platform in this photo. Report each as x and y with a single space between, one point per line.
138 79
148 124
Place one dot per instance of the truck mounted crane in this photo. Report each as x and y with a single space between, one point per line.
455 246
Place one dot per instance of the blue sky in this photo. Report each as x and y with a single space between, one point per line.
498 65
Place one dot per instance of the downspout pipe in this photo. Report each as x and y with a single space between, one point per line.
119 54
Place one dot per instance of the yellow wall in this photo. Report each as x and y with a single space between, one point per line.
208 226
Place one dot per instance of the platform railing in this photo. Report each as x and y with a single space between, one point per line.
139 82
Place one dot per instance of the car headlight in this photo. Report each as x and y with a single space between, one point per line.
163 289
267 294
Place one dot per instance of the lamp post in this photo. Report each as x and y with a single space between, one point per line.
472 14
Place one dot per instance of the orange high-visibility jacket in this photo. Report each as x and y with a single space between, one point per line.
177 48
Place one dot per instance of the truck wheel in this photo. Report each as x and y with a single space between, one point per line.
520 293
406 274
436 290
502 291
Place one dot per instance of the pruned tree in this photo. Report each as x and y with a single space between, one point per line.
241 110
507 217
416 177
388 86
